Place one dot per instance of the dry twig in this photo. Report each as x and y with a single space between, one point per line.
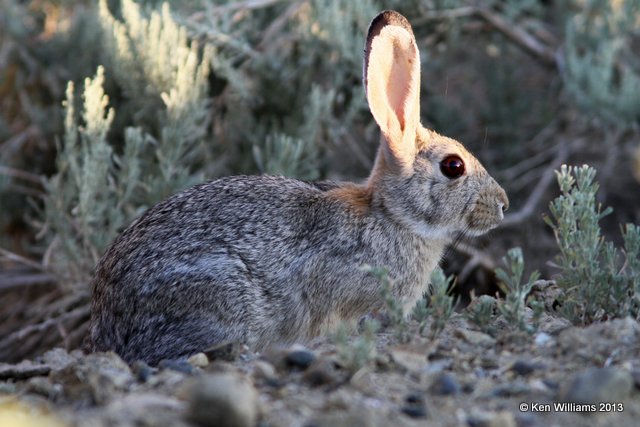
532 204
476 258
517 34
20 259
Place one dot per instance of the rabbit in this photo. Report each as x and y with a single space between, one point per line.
267 260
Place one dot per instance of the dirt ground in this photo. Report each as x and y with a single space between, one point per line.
561 375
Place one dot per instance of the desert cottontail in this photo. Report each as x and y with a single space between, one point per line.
264 259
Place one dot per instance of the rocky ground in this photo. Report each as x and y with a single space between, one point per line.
463 378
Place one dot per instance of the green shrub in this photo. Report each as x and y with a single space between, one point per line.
512 308
602 70
600 281
480 312
437 305
392 305
359 351
100 185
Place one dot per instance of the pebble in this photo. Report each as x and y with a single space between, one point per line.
178 365
444 384
524 368
94 379
142 370
414 406
300 359
263 370
322 371
409 360
475 337
598 385
198 360
223 400
542 339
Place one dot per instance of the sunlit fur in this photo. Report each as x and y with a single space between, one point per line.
263 259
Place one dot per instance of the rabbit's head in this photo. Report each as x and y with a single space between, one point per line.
428 182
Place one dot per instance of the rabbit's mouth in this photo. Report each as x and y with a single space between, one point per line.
483 218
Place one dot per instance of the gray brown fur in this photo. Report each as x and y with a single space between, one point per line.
263 259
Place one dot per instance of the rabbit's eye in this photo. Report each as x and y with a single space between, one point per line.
452 167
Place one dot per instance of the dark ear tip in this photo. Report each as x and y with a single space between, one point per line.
388 17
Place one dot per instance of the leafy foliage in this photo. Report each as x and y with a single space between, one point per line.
356 353
481 312
437 305
98 190
600 280
513 306
392 305
602 70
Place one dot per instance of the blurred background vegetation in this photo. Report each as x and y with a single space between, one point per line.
108 107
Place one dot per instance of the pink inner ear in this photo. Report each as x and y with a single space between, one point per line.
399 81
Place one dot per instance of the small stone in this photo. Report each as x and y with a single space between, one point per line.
322 371
227 351
444 384
524 368
198 360
223 400
300 359
94 379
553 325
542 339
489 361
409 360
597 385
476 338
265 371
414 398
414 406
178 365
415 411
142 371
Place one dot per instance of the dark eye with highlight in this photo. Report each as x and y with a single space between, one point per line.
452 167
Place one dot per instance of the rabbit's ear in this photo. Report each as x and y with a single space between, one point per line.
392 84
